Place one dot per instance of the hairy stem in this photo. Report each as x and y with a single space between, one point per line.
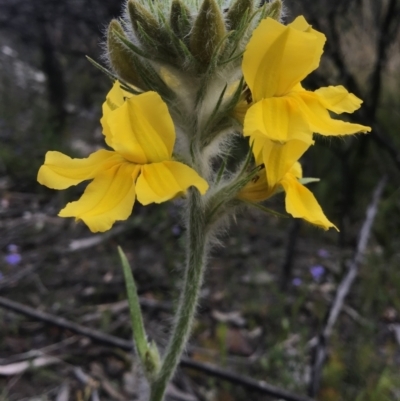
196 249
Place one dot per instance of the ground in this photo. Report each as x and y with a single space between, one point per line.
246 323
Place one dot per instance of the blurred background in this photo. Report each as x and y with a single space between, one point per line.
268 290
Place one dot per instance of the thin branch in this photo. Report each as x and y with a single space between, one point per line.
290 251
247 382
96 335
382 46
320 352
107 339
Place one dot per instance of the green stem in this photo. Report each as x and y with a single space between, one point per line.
196 249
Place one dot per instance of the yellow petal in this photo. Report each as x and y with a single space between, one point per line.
338 99
160 182
109 197
60 171
117 96
280 158
277 118
104 124
142 129
257 142
278 57
301 203
114 99
296 170
301 24
319 119
257 189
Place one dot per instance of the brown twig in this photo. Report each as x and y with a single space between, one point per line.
290 251
247 382
107 339
320 351
66 324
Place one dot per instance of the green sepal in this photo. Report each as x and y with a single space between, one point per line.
124 85
220 114
130 45
222 169
213 115
180 20
234 16
151 78
127 88
222 200
184 50
150 43
302 181
121 56
264 209
234 58
208 31
112 76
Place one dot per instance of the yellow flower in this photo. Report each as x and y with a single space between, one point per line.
141 133
282 170
276 60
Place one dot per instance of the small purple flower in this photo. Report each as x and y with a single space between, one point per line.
317 272
297 281
13 259
323 253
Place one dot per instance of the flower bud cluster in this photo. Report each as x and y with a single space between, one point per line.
189 53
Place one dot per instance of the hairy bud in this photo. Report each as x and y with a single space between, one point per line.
208 31
274 10
180 19
236 12
121 57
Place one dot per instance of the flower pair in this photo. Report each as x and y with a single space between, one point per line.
141 133
282 116
279 117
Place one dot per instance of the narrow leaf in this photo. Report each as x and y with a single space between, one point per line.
139 334
265 209
102 69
